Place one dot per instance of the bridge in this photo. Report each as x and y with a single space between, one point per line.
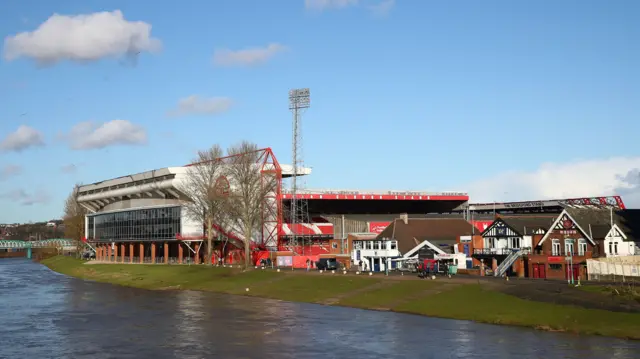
63 243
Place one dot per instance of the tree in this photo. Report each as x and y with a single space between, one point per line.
248 193
205 185
74 217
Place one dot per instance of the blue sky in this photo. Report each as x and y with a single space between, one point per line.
507 100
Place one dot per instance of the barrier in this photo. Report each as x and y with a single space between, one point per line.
609 267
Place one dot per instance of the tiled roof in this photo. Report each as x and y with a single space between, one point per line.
417 230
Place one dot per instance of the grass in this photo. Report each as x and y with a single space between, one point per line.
431 298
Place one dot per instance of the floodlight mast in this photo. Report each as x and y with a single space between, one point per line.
299 100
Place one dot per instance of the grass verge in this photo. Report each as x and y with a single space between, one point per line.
431 298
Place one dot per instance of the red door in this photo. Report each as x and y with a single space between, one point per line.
539 271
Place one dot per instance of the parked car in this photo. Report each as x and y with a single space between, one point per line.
89 255
327 264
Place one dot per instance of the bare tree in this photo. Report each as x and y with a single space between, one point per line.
207 188
248 194
74 217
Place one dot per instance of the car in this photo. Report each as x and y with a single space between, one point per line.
327 264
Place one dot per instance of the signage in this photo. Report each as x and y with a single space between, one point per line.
377 227
465 239
501 231
222 187
555 259
524 204
285 261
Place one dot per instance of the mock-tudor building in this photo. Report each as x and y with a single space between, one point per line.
508 241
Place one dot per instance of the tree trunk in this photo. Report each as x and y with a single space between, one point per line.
209 241
247 248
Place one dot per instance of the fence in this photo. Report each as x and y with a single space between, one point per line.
610 268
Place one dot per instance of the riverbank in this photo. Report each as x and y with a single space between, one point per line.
460 298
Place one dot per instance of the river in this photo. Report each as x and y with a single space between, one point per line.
48 315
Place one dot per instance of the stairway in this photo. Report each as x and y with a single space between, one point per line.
508 262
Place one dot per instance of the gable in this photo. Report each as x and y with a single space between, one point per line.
499 229
616 232
565 224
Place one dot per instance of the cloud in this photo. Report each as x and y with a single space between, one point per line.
70 168
23 138
585 178
25 198
90 135
382 8
320 5
82 38
247 57
196 105
9 171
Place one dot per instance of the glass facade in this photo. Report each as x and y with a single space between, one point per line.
136 225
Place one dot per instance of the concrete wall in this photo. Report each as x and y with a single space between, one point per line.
139 203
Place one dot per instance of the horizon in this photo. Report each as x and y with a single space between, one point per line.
505 101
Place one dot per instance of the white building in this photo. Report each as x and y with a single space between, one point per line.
375 254
150 207
619 242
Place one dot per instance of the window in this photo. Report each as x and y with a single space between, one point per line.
394 245
357 245
142 224
615 248
334 245
514 242
376 245
568 246
555 266
490 242
610 247
555 247
582 247
367 245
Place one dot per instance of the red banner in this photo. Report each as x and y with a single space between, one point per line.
481 225
378 227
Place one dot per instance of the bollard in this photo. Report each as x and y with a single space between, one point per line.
246 289
370 273
344 272
278 270
333 272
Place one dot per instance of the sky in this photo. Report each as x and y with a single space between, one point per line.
506 100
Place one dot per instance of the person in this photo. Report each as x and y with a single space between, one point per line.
308 264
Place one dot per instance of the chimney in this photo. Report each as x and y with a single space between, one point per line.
405 218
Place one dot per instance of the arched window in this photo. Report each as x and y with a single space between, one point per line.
582 246
555 247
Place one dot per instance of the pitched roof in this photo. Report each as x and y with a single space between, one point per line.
600 221
528 224
629 222
417 230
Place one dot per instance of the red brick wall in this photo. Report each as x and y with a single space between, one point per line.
542 255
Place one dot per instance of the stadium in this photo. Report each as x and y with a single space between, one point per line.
141 217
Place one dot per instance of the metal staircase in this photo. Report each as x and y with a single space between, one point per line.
508 262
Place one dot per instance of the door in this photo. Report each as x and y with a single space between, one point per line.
539 271
465 249
572 271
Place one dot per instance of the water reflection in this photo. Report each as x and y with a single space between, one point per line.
46 315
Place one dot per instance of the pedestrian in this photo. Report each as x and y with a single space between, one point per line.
308 264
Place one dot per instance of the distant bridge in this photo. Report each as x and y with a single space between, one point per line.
66 244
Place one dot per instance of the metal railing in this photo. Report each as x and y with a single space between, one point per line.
499 251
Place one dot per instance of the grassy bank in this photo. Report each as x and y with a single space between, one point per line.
446 299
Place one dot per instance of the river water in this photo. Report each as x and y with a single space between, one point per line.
48 315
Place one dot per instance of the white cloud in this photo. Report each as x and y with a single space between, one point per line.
82 38
197 105
9 171
25 198
23 138
328 4
247 57
382 8
90 135
586 178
